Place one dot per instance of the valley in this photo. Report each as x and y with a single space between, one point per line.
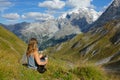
81 45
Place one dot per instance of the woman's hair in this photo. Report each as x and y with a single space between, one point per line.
32 46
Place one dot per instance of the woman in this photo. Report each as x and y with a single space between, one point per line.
33 55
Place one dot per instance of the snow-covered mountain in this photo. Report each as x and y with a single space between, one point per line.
101 44
90 14
81 18
51 32
76 21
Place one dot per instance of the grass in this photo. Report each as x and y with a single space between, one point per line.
11 50
104 48
58 69
90 72
64 64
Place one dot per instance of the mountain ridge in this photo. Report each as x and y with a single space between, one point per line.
101 44
57 31
111 13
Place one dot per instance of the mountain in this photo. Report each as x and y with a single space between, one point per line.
16 28
81 18
100 45
76 21
111 13
93 45
52 32
77 59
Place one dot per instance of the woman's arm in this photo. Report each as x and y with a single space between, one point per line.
40 55
37 59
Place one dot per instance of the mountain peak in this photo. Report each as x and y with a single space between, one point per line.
116 3
82 12
111 13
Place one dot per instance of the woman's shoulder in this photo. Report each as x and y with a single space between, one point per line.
35 52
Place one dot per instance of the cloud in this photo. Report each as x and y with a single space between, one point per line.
53 4
4 4
80 3
11 16
37 16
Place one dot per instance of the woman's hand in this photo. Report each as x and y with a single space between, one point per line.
40 55
37 57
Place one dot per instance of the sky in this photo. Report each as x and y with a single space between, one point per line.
16 11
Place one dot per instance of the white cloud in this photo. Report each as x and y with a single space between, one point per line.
80 3
37 16
53 4
4 4
11 16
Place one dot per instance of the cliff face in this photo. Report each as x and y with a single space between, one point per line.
111 13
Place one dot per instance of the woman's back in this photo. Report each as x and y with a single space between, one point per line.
31 62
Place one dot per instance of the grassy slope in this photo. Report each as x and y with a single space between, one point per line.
74 50
83 46
11 51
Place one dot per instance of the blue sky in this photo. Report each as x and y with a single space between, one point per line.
15 11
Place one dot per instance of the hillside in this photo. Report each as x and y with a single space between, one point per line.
11 51
100 46
94 55
97 45
111 13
